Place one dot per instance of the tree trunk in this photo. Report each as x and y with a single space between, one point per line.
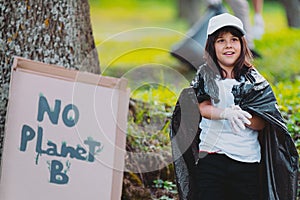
189 10
51 31
292 10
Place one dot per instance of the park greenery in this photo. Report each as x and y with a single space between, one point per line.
136 34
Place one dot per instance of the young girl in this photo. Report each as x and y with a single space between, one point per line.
229 134
237 107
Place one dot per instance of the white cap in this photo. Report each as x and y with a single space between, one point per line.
222 20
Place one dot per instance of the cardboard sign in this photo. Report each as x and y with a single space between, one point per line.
65 134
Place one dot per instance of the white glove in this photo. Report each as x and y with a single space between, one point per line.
236 117
258 27
213 2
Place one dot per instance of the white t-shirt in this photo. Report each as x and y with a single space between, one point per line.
218 136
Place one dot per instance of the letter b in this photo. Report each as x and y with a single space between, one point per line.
56 174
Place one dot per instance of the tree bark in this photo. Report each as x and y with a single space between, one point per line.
292 10
51 31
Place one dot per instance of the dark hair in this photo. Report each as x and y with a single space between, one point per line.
242 64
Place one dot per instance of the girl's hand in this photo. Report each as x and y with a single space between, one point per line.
236 117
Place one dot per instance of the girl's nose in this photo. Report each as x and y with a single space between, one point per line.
228 44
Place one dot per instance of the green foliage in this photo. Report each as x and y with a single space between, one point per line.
168 185
133 33
281 50
288 95
148 126
157 95
164 197
280 46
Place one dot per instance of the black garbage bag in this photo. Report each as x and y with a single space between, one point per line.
184 136
190 50
279 157
279 165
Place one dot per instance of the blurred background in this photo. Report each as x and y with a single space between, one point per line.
122 26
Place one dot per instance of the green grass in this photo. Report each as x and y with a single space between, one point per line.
280 46
132 33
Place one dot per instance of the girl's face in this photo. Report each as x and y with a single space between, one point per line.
228 49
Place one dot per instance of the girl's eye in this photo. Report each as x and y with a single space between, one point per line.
220 40
235 39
